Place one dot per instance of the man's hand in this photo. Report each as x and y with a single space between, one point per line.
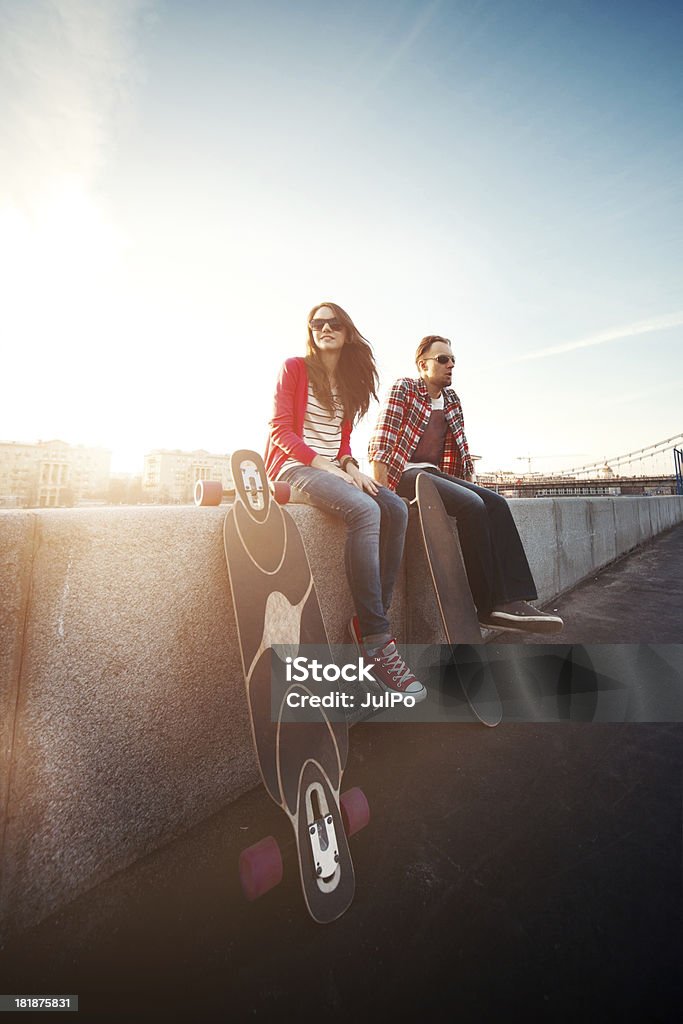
380 471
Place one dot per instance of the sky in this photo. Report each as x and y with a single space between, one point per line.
180 183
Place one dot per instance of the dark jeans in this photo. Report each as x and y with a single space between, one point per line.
376 529
497 568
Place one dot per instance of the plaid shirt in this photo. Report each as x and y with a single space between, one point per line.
402 422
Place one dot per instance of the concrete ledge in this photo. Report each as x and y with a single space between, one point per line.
539 530
123 714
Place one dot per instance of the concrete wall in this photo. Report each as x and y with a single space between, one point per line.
123 718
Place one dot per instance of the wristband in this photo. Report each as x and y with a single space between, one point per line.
345 461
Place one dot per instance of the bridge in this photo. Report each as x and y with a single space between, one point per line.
660 465
650 452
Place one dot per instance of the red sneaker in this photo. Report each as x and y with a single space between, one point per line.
392 673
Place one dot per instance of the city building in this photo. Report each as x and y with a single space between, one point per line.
169 477
50 474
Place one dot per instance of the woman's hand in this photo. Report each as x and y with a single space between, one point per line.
320 462
351 475
360 480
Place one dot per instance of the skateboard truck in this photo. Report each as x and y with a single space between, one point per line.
324 846
323 840
253 486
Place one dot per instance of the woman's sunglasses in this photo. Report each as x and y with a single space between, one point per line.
334 325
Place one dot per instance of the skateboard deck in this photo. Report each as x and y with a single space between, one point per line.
301 757
454 600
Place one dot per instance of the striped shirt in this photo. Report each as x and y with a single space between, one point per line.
286 424
322 431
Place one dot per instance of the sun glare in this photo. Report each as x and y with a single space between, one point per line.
55 258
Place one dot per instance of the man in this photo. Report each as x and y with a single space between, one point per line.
420 429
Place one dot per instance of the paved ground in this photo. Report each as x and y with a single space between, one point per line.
639 599
529 871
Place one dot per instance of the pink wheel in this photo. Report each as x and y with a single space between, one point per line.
208 492
355 810
260 868
282 492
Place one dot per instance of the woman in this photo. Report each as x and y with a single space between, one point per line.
317 399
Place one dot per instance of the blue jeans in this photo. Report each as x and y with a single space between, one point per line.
376 529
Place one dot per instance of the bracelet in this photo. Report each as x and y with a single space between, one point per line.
346 460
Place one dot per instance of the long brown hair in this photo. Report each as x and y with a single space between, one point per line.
356 372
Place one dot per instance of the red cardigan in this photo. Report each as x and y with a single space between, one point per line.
287 424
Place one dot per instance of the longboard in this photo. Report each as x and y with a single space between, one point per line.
301 758
454 600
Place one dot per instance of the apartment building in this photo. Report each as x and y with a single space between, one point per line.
169 476
49 474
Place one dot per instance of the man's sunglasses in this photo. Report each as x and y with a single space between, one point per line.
334 325
444 360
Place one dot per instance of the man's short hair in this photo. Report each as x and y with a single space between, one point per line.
426 344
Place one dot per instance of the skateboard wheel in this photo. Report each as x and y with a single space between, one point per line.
282 492
208 492
260 868
355 810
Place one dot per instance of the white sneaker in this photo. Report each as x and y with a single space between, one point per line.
523 616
